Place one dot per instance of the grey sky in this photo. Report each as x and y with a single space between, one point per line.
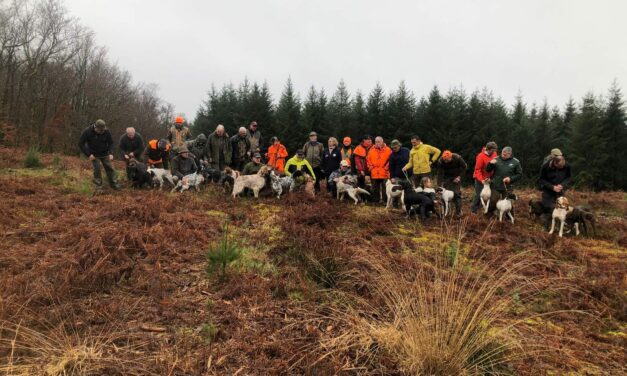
544 49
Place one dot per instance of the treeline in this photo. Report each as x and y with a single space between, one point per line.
591 133
55 80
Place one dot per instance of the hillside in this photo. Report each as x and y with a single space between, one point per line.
118 283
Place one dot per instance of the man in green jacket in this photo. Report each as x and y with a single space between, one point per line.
313 154
507 171
421 156
219 149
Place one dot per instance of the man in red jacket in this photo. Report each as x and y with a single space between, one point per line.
480 175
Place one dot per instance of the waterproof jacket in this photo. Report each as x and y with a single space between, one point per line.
504 168
481 162
420 158
331 159
297 164
98 144
183 166
251 168
313 153
198 147
154 156
360 163
178 135
254 140
551 176
241 148
276 157
448 171
347 152
219 149
378 160
338 173
133 145
398 160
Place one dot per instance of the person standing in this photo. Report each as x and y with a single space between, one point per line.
131 146
360 164
481 174
398 160
421 157
378 160
178 134
198 148
219 148
254 138
450 168
331 158
347 149
276 155
240 144
96 143
507 171
554 180
313 154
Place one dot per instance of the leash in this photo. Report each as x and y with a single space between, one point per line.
410 181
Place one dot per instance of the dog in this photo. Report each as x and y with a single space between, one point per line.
416 197
578 216
227 178
505 205
392 194
253 182
209 173
138 173
347 184
559 213
310 188
446 197
160 175
192 180
536 208
485 195
281 184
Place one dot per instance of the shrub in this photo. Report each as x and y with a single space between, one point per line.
223 255
32 159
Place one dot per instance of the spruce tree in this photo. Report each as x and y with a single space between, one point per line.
288 125
401 114
339 111
588 153
358 127
375 118
614 136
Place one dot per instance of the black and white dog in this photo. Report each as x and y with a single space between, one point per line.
422 201
281 184
211 175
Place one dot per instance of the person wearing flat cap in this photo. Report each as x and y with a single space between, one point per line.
184 163
96 143
313 154
253 166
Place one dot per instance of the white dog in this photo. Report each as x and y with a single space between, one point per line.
253 182
160 175
447 199
505 205
485 195
560 212
281 184
192 180
393 194
348 185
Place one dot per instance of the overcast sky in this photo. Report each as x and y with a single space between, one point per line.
543 49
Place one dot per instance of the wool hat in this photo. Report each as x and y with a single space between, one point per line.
100 124
179 120
347 141
556 152
395 143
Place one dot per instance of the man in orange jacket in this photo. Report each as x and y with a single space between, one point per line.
378 160
276 155
359 163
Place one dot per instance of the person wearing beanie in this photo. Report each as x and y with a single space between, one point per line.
398 159
179 133
481 174
183 164
96 143
554 181
157 153
555 152
450 168
347 149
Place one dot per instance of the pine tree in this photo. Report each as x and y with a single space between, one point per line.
562 130
542 141
315 114
614 136
288 125
375 118
339 111
401 114
434 121
588 154
357 127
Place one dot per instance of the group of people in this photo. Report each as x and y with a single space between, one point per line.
371 161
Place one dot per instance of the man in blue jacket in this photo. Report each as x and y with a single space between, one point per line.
97 144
